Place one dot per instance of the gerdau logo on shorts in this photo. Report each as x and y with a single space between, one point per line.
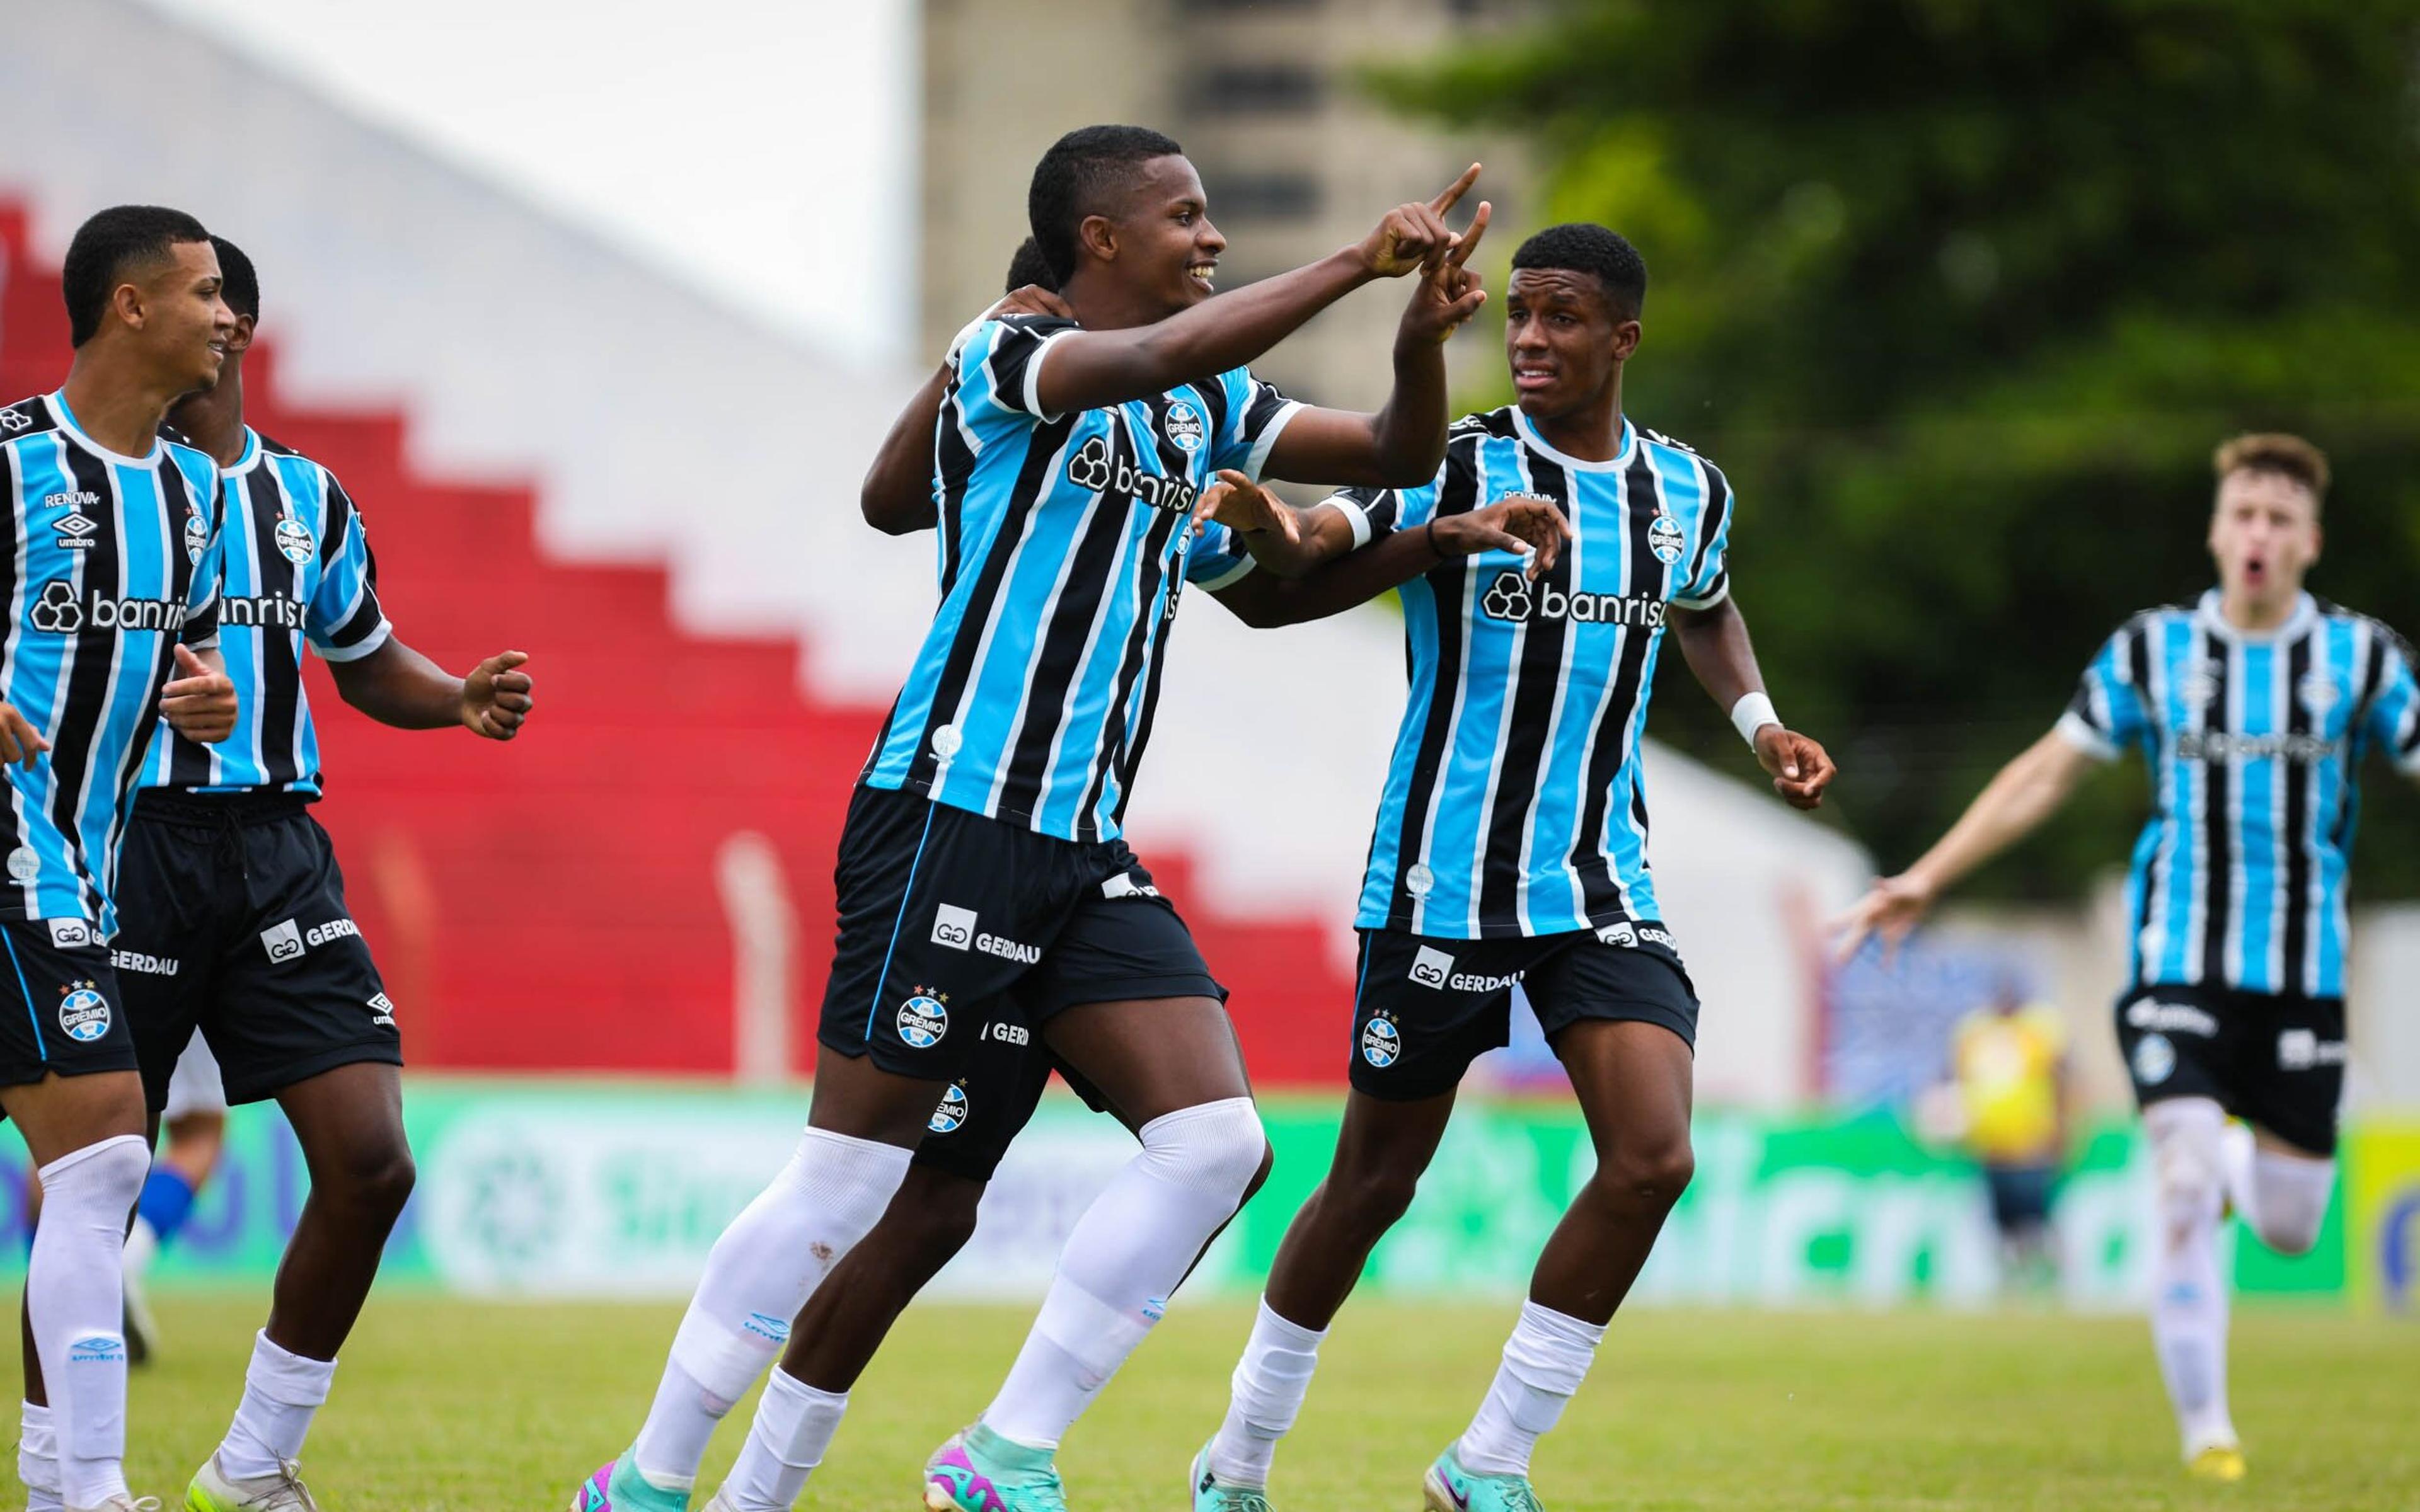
923 1019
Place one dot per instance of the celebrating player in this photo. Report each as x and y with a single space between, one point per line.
2253 708
982 850
1511 847
113 624
232 907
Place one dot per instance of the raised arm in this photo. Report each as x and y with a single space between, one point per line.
2027 792
1088 369
898 496
1714 642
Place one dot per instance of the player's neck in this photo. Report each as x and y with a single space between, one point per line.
1100 305
2257 614
1591 433
114 403
213 419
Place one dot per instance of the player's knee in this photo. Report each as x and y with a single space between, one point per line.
2291 1194
926 1235
376 1178
1370 1202
1653 1172
98 1183
1211 1147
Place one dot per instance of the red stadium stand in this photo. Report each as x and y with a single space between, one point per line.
554 904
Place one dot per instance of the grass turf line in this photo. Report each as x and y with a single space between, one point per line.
445 1406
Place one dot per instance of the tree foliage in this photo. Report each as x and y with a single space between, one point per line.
1962 294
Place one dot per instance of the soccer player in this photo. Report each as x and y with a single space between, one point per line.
113 623
232 907
2253 708
933 1215
982 853
1512 848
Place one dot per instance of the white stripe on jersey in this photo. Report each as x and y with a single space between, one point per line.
29 890
1469 600
2160 891
1512 686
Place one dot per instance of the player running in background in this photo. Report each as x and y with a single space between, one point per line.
1511 847
982 853
2253 708
192 1126
113 621
232 908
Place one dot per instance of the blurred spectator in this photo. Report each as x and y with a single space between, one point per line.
2008 1059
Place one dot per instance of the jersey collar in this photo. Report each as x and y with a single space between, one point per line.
252 453
2214 620
1530 437
69 425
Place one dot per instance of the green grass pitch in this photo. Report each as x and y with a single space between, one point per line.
447 1406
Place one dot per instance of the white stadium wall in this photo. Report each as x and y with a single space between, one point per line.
660 426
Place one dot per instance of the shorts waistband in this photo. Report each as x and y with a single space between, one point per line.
251 806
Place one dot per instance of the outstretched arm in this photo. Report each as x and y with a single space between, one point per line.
1265 600
1088 369
1714 642
2027 792
397 686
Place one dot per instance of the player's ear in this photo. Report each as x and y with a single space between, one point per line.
127 303
1099 235
241 340
1626 337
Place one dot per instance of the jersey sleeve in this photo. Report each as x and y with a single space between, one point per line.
2106 713
1710 565
1219 558
1256 414
999 368
1375 513
2394 717
201 627
344 619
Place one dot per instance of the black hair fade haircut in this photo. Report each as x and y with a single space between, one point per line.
1579 246
1081 171
1030 266
107 249
239 283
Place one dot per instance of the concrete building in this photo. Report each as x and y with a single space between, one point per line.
1264 95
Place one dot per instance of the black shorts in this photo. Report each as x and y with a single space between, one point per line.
943 911
231 919
2273 1059
982 1112
60 1010
2020 1196
1425 1008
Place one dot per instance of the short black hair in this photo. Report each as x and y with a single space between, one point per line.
106 247
238 282
1080 171
1579 246
1030 266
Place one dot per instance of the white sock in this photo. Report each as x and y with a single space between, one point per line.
38 1458
2188 1294
1544 1362
2289 1199
282 1393
142 1247
793 1426
759 1274
1126 1254
1268 1386
74 1292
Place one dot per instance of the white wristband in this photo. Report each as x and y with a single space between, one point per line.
1752 713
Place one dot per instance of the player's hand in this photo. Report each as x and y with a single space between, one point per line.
1029 298
1891 908
1525 524
1414 234
198 704
1446 297
497 696
21 744
1800 768
1246 508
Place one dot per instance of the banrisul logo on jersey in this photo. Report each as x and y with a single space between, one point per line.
1097 467
1513 598
56 610
923 1020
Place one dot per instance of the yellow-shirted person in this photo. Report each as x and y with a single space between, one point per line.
2009 1060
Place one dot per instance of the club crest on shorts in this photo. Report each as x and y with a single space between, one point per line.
1664 539
2155 1059
83 1013
1381 1043
923 1019
952 1113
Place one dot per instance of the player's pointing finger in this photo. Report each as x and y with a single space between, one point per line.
1455 191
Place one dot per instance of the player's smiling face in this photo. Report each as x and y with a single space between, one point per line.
2264 535
1167 234
187 327
1564 340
